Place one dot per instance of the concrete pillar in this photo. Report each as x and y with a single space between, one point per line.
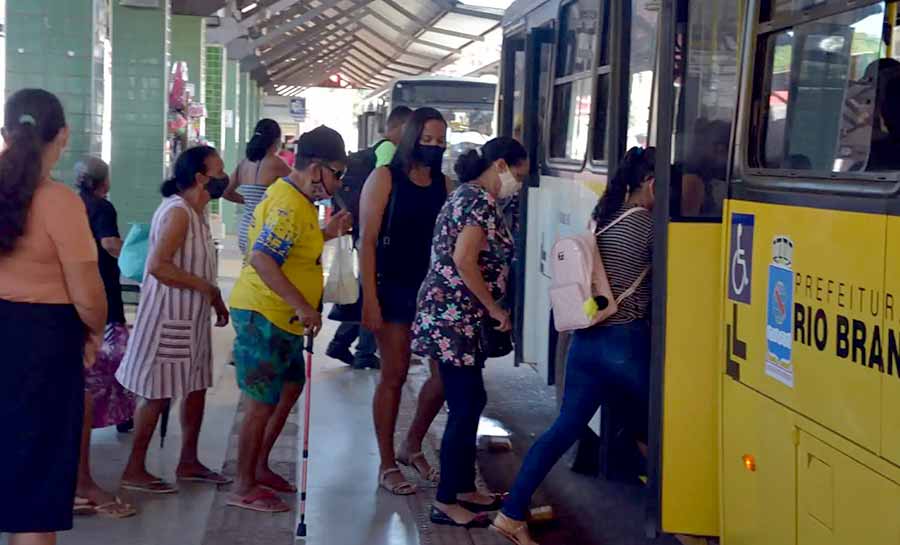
61 47
140 106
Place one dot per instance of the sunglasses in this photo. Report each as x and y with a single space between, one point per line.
338 174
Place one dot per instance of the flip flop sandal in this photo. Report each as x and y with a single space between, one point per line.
210 477
286 488
517 534
433 475
482 507
158 486
116 509
443 519
261 501
403 488
84 507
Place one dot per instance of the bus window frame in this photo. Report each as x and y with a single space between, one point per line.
566 163
751 112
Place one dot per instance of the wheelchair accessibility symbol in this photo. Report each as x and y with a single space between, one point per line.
740 272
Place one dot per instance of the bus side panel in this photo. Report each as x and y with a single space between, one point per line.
690 476
890 437
808 333
758 469
560 207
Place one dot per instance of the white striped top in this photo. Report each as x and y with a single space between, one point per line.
627 250
169 354
253 194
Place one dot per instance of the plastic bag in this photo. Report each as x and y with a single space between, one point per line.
342 287
133 258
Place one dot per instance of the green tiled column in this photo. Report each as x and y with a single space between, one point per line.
247 124
188 43
140 89
70 64
215 94
232 105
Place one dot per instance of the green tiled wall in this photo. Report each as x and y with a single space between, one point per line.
64 65
140 61
247 124
215 88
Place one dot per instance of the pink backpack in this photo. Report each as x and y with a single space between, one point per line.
579 280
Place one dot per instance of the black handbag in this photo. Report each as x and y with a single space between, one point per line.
495 344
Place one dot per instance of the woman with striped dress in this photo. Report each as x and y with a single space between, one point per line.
261 167
170 352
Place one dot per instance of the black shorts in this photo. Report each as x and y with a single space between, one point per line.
398 302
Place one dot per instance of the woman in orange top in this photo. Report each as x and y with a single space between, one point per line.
52 311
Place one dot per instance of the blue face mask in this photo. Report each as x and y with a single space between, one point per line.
430 156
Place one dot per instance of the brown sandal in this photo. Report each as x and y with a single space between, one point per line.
514 530
433 475
403 488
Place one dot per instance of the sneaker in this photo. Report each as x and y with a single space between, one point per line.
342 354
366 362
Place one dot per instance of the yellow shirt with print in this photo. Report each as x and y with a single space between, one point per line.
285 227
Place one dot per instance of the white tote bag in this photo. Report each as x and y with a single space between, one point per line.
341 286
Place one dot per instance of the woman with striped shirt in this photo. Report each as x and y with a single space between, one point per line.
261 168
170 352
608 364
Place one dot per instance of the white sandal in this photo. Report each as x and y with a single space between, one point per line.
403 488
433 475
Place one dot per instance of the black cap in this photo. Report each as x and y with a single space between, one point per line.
321 143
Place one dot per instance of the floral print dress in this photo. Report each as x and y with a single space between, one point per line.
449 316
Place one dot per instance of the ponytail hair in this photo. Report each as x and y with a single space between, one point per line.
637 165
34 118
472 165
266 134
191 162
90 172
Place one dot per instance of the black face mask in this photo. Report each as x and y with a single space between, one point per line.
216 187
430 156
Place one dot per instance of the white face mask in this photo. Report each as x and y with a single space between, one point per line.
509 185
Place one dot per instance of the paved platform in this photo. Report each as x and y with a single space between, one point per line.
345 505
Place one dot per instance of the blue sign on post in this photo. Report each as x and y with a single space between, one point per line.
298 109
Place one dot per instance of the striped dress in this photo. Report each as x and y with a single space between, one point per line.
253 194
170 351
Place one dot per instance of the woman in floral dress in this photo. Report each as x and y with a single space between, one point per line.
469 271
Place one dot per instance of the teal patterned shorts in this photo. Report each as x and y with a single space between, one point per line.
265 357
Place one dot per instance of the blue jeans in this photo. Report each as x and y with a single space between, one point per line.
608 365
348 332
466 398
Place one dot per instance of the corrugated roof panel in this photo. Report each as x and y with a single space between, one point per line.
443 39
465 23
421 49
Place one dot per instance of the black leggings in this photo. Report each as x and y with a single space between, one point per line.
466 398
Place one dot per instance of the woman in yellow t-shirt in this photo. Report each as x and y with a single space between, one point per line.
275 303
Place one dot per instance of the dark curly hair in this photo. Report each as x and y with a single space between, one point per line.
34 118
191 162
471 164
638 165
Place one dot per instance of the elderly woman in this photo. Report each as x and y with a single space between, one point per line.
53 314
106 403
469 271
170 353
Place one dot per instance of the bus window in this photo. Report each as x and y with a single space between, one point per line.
642 60
598 152
707 82
824 103
572 91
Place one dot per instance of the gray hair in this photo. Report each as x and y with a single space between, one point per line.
90 172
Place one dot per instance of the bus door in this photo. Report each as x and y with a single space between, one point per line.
526 68
697 98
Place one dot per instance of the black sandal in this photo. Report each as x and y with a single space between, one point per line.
443 519
495 505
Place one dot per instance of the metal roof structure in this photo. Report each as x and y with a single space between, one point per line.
295 44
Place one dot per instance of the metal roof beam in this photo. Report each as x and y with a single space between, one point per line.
380 62
482 13
324 55
293 23
286 47
303 49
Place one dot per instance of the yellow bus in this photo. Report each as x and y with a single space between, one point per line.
775 381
